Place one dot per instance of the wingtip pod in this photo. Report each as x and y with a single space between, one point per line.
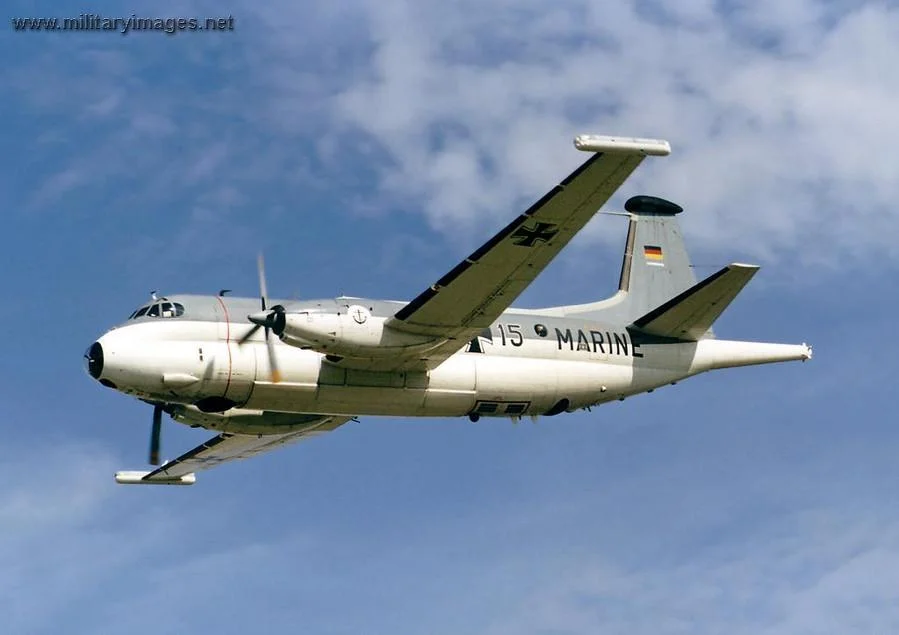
635 145
132 477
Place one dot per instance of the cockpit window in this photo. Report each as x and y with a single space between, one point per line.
171 309
163 308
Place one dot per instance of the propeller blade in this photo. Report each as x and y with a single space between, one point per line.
263 288
272 360
155 434
266 319
248 334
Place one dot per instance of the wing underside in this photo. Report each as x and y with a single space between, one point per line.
475 292
222 449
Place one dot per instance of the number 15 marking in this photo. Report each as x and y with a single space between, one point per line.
512 332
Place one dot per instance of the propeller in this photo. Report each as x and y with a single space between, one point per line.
155 433
267 319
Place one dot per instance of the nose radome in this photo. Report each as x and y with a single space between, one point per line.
94 358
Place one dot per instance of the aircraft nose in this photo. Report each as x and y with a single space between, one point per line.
93 357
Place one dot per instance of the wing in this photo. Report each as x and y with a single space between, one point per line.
221 449
476 291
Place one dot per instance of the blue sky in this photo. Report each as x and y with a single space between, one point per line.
365 149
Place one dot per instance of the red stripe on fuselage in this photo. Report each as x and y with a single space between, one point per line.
227 342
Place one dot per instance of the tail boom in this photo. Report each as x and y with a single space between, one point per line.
714 354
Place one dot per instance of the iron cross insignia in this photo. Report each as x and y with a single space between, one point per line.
526 237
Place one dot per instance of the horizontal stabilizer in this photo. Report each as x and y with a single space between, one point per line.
691 314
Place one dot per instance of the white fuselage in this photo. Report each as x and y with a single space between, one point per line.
184 361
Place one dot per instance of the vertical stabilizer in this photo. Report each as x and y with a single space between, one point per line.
655 268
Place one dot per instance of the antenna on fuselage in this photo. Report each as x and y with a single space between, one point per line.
223 292
153 295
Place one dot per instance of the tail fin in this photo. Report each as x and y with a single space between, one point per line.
656 266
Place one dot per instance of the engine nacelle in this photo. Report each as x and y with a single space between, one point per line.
353 333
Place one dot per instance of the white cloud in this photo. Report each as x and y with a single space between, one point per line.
781 117
804 573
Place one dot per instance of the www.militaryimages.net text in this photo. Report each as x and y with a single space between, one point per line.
94 22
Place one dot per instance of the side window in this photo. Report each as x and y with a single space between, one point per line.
154 311
167 310
178 309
